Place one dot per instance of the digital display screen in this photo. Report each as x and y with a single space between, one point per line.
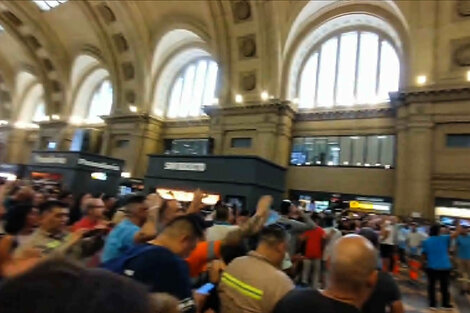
298 158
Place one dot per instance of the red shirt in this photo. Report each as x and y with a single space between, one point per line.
313 245
85 223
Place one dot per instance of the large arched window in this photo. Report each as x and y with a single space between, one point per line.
193 88
101 102
349 68
40 112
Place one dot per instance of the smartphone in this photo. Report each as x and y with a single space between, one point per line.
205 289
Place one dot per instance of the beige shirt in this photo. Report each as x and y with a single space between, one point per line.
252 284
45 243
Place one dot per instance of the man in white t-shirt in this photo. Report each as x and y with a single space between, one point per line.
222 224
414 240
387 244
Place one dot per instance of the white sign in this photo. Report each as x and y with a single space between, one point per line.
104 166
180 166
49 159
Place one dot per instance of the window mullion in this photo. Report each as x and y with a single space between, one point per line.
317 74
335 86
379 59
356 73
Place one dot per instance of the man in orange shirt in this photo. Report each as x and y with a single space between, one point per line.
314 242
94 209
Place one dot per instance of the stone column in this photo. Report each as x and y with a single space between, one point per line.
132 138
268 125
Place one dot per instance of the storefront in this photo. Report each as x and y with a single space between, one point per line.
76 171
12 172
240 180
448 210
319 201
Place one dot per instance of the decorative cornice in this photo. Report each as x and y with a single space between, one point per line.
362 113
430 94
250 107
126 118
188 122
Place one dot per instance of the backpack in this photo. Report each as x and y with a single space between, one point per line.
118 265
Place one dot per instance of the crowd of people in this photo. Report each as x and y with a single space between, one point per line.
142 254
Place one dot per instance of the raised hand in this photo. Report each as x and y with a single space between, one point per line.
264 205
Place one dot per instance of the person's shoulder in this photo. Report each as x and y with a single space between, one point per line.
301 296
385 279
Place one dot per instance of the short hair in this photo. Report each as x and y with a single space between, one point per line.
133 199
273 234
15 218
244 212
222 213
370 234
284 208
62 286
190 224
329 220
50 205
435 229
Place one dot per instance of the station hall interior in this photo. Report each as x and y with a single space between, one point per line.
359 104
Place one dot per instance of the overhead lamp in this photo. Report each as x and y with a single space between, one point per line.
125 174
238 98
421 79
468 76
354 137
264 95
55 117
133 108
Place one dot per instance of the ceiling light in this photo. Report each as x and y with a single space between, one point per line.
381 137
55 117
264 96
468 76
421 79
133 108
126 174
238 98
345 163
354 137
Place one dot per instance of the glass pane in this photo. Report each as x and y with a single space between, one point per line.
210 83
367 75
333 151
389 71
320 151
175 98
346 69
358 144
326 79
345 153
101 102
308 83
387 150
196 100
298 156
309 149
186 97
372 157
40 112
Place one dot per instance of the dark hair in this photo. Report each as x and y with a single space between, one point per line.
50 205
273 234
284 208
76 211
61 286
15 219
134 199
370 234
195 222
229 252
435 229
244 212
222 213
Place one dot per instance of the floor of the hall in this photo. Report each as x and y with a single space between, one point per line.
415 298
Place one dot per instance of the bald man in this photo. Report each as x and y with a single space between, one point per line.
351 280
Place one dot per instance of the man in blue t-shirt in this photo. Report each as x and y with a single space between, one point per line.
436 251
139 226
161 265
463 256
